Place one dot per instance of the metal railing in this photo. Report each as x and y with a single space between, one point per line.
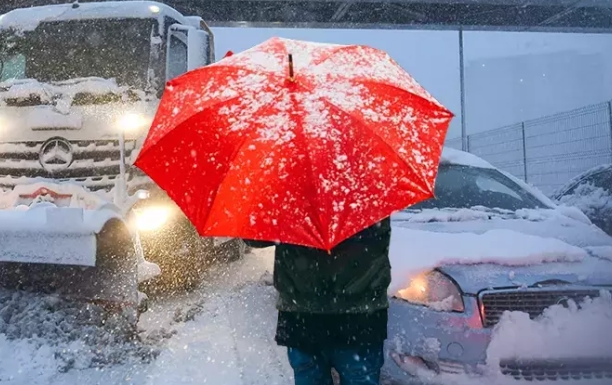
549 151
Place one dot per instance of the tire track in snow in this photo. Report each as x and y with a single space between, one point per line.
253 320
230 341
223 335
203 352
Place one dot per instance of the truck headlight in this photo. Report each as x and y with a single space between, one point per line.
435 290
132 122
151 218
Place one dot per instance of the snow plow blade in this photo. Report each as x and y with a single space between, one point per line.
81 254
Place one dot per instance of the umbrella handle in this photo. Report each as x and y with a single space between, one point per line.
291 67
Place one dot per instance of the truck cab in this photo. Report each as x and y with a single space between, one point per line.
79 87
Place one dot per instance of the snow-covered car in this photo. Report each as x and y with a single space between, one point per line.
492 280
591 192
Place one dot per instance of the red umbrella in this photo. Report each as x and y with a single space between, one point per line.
295 142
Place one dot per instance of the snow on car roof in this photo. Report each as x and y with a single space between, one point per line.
27 19
452 156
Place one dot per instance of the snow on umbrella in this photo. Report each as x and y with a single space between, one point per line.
296 142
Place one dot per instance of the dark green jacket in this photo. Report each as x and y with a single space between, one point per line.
353 279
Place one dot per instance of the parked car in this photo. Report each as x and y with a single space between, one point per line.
591 192
486 245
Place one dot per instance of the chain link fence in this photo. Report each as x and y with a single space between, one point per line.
549 151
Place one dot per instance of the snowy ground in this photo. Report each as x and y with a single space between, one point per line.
223 333
220 334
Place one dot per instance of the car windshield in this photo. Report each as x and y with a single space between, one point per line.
464 187
57 51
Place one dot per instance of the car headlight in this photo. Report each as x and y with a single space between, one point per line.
151 218
132 122
435 290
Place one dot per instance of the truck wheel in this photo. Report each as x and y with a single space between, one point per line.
182 264
116 272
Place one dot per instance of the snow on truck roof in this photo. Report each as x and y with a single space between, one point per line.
27 19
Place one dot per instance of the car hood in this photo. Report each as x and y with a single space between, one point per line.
482 248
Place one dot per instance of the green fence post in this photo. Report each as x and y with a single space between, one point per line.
524 151
610 121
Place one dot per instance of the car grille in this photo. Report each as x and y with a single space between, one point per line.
450 367
95 164
533 302
570 369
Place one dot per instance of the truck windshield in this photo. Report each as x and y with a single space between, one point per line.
56 51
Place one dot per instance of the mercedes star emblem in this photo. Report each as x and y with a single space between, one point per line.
55 155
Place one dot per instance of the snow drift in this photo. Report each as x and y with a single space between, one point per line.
579 330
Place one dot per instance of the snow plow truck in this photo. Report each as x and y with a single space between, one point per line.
79 87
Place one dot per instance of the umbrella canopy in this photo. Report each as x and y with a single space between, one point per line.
295 142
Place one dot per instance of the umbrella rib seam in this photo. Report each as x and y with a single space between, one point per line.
380 138
435 106
247 139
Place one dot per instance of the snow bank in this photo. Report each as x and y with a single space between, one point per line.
580 330
43 335
415 251
220 334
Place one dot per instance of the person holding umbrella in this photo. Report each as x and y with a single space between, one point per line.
309 147
332 307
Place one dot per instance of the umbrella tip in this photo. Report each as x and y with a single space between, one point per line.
291 77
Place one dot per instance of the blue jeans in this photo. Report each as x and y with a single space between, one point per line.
360 366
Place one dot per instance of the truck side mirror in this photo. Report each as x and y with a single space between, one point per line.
177 51
199 45
187 49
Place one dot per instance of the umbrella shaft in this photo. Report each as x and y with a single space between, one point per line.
291 66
